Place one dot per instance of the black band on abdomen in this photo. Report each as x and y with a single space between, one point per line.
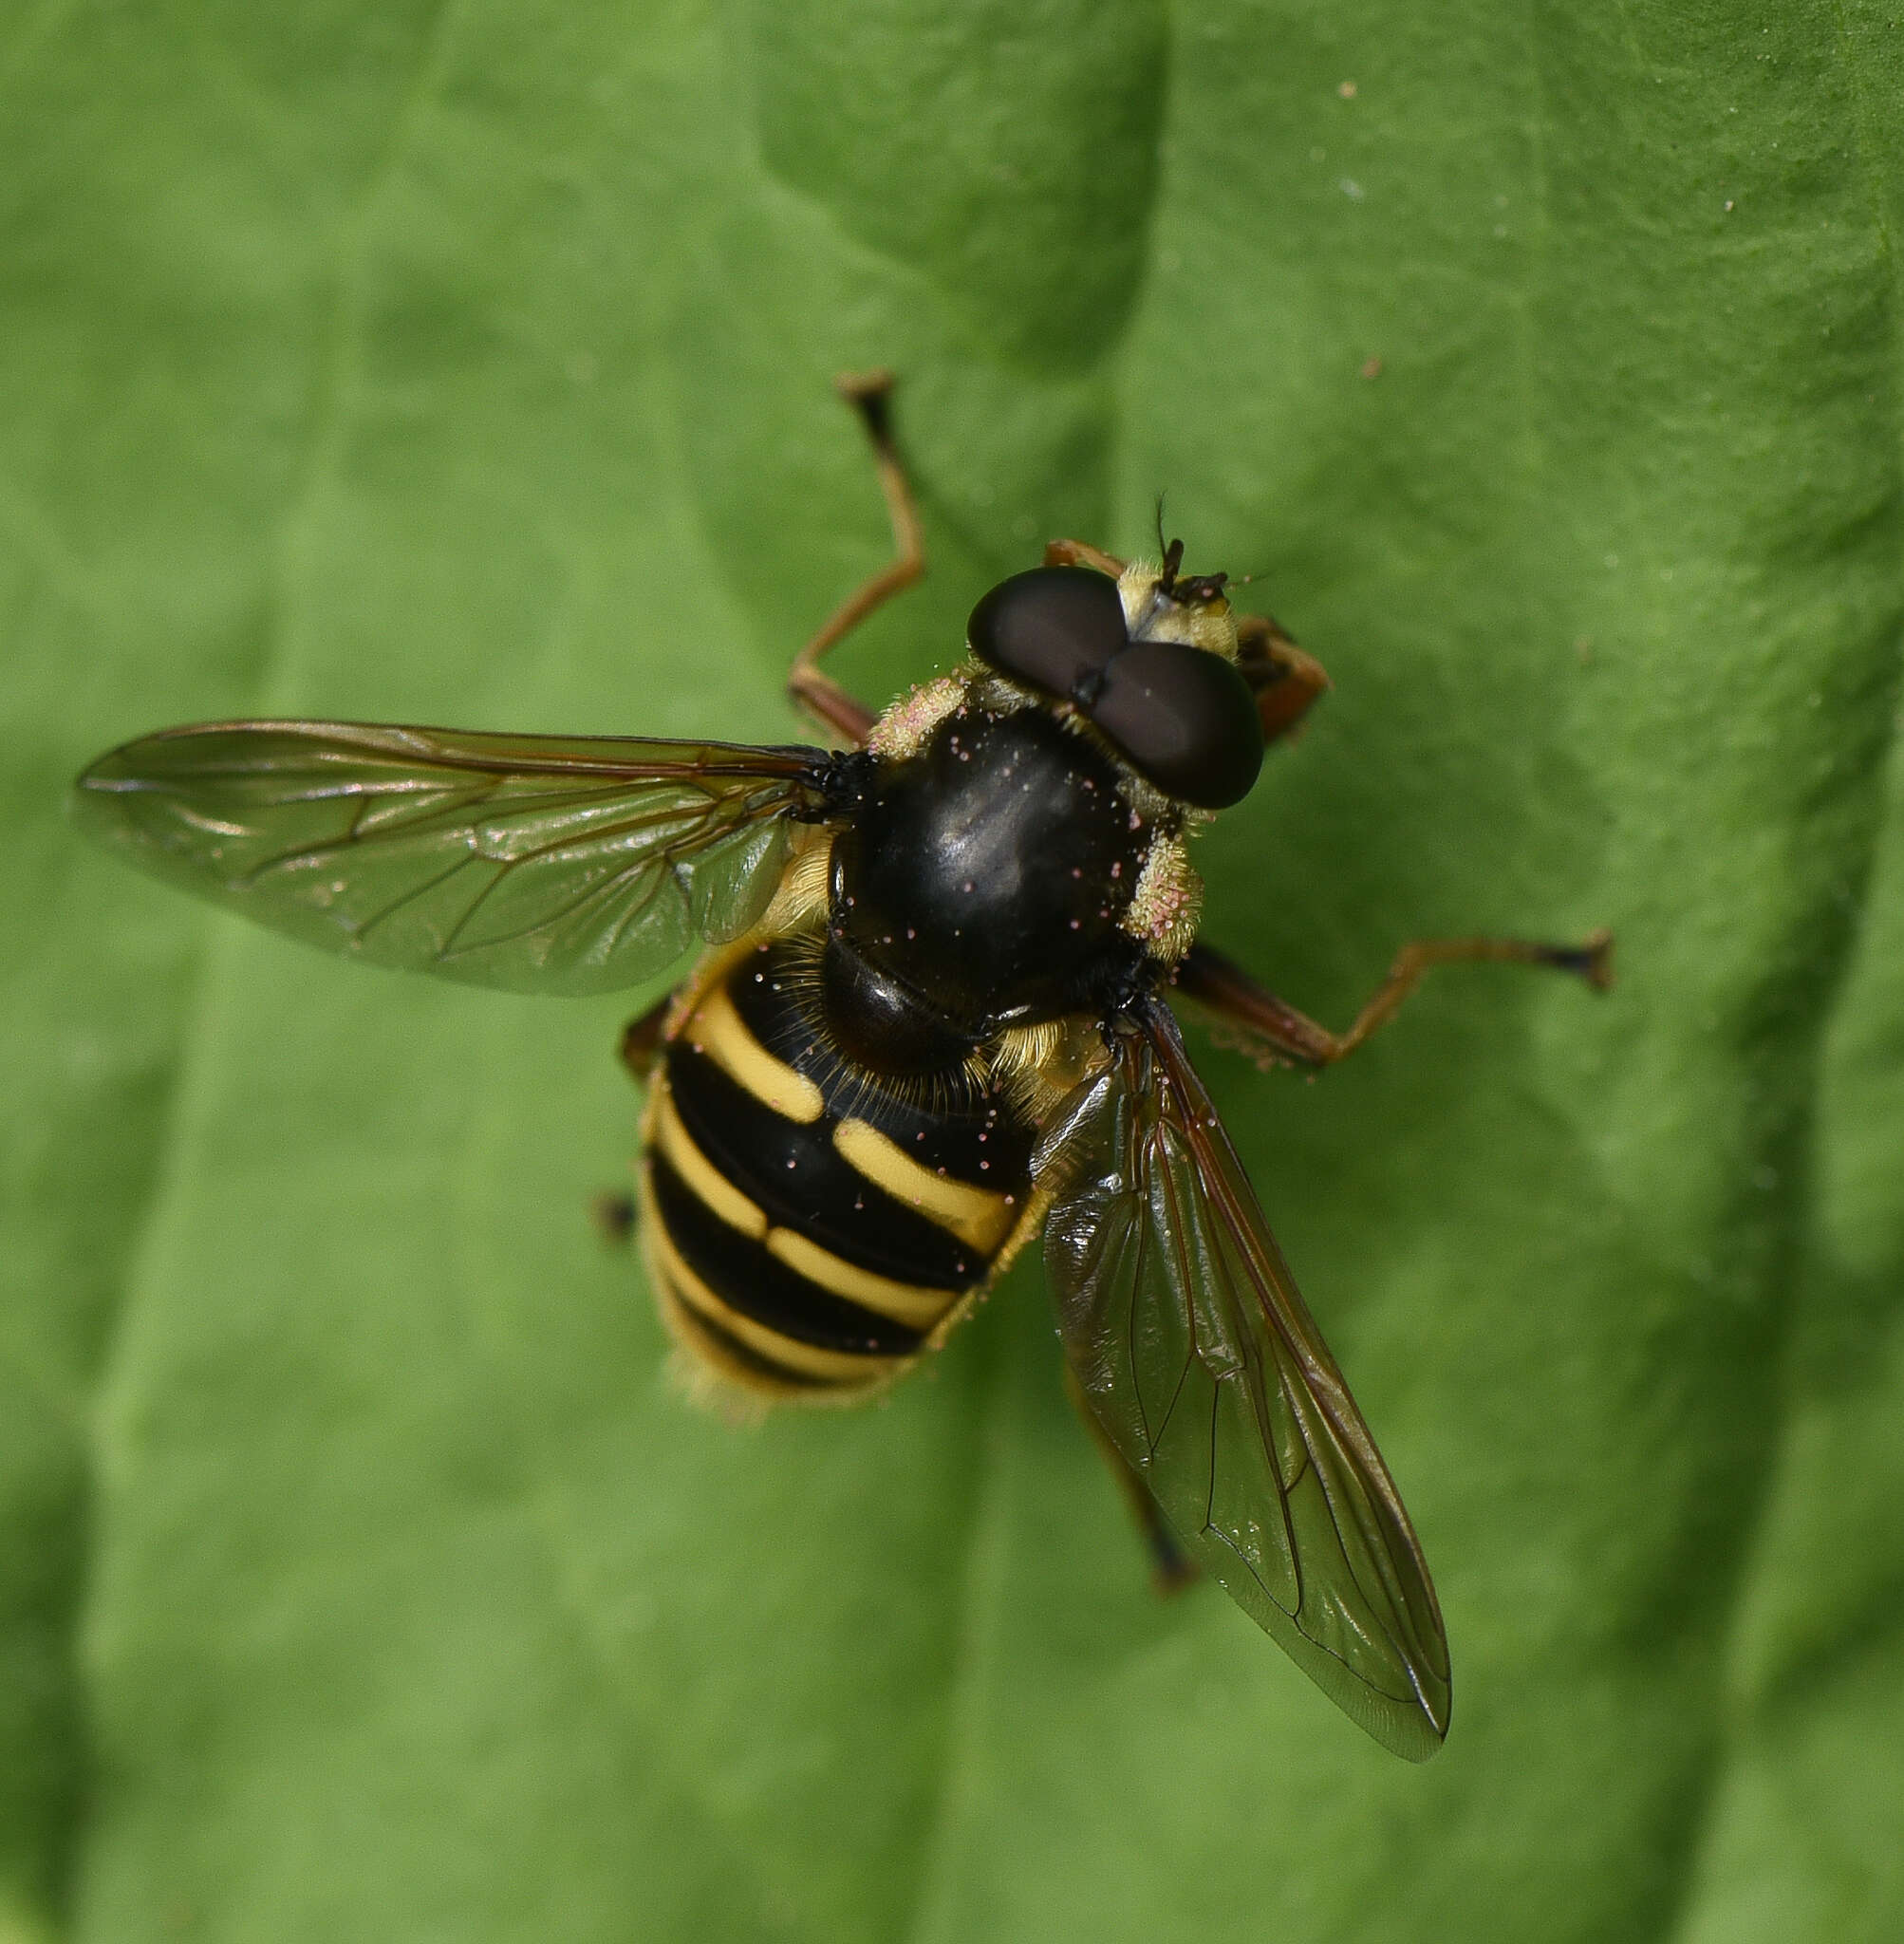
797 1177
740 1270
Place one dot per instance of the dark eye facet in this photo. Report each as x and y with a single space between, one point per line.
1050 628
1182 715
1185 720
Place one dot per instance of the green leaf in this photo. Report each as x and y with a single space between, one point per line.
360 1574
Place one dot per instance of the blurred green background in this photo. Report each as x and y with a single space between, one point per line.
360 1576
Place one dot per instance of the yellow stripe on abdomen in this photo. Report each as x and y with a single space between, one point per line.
770 1345
980 1218
716 1030
904 1302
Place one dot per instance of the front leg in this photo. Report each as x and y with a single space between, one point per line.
1285 679
1223 988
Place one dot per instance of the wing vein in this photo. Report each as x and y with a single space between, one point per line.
1282 1480
600 862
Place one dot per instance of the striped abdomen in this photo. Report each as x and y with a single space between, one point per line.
808 1225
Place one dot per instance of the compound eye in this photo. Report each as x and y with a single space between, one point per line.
1185 720
1050 627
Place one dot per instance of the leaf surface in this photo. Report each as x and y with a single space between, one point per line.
359 1573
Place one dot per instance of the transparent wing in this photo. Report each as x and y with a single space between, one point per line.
1205 1369
544 863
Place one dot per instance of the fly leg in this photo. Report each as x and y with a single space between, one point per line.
870 395
614 1214
1171 1567
640 1040
1284 679
1272 1026
614 1210
1082 553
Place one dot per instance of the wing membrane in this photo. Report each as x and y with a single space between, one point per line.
1205 1369
546 864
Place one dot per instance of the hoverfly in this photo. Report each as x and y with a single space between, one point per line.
931 1020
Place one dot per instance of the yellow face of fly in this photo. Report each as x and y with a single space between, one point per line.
1155 613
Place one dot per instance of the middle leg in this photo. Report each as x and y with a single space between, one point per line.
1082 553
615 1211
640 1041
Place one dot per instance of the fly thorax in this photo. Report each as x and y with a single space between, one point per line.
990 874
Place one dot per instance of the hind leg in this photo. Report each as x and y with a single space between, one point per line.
1275 1027
1171 1568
